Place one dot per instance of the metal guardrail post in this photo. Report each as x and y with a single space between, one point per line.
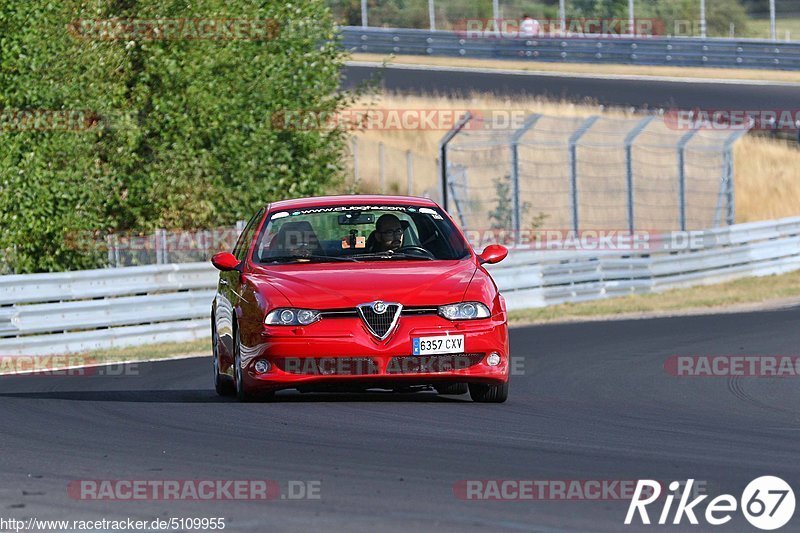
455 130
516 220
573 166
682 176
629 163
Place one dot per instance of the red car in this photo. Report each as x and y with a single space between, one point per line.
347 293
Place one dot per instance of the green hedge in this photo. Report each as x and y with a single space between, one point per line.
182 136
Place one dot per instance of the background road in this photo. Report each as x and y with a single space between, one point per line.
594 403
615 92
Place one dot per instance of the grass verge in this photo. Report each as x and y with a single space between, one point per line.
589 68
148 352
743 294
151 351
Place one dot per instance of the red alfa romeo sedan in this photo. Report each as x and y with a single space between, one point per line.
351 293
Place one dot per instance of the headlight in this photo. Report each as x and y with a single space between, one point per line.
289 316
464 311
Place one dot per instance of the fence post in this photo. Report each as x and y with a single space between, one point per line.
516 214
726 188
682 176
110 250
364 14
443 155
410 172
629 163
164 251
356 178
381 170
573 166
157 246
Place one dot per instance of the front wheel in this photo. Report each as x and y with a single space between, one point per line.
488 393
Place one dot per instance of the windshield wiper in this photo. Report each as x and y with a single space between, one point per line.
392 255
310 258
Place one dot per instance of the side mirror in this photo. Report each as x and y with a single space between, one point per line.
225 261
494 253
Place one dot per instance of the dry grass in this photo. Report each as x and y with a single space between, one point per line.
589 68
767 179
767 171
759 28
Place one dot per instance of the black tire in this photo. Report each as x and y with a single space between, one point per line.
488 393
222 384
452 388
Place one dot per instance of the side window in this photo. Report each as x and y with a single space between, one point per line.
247 236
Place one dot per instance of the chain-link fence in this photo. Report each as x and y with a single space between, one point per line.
573 173
759 19
161 247
375 167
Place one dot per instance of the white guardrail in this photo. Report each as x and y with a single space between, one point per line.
68 312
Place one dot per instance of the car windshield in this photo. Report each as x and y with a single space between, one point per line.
359 233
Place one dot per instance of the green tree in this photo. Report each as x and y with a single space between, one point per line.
186 137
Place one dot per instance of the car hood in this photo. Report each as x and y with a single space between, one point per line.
343 285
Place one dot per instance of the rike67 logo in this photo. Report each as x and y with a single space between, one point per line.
767 503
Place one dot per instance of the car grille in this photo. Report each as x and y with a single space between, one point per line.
379 324
419 364
328 366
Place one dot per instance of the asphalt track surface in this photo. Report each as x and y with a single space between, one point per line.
593 403
640 94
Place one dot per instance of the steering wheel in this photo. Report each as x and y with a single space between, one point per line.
417 249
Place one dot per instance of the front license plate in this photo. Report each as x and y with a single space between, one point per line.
438 344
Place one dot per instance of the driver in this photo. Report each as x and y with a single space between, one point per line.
388 234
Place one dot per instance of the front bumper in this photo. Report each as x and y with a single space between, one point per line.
341 350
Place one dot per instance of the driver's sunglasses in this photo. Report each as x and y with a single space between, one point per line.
392 232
